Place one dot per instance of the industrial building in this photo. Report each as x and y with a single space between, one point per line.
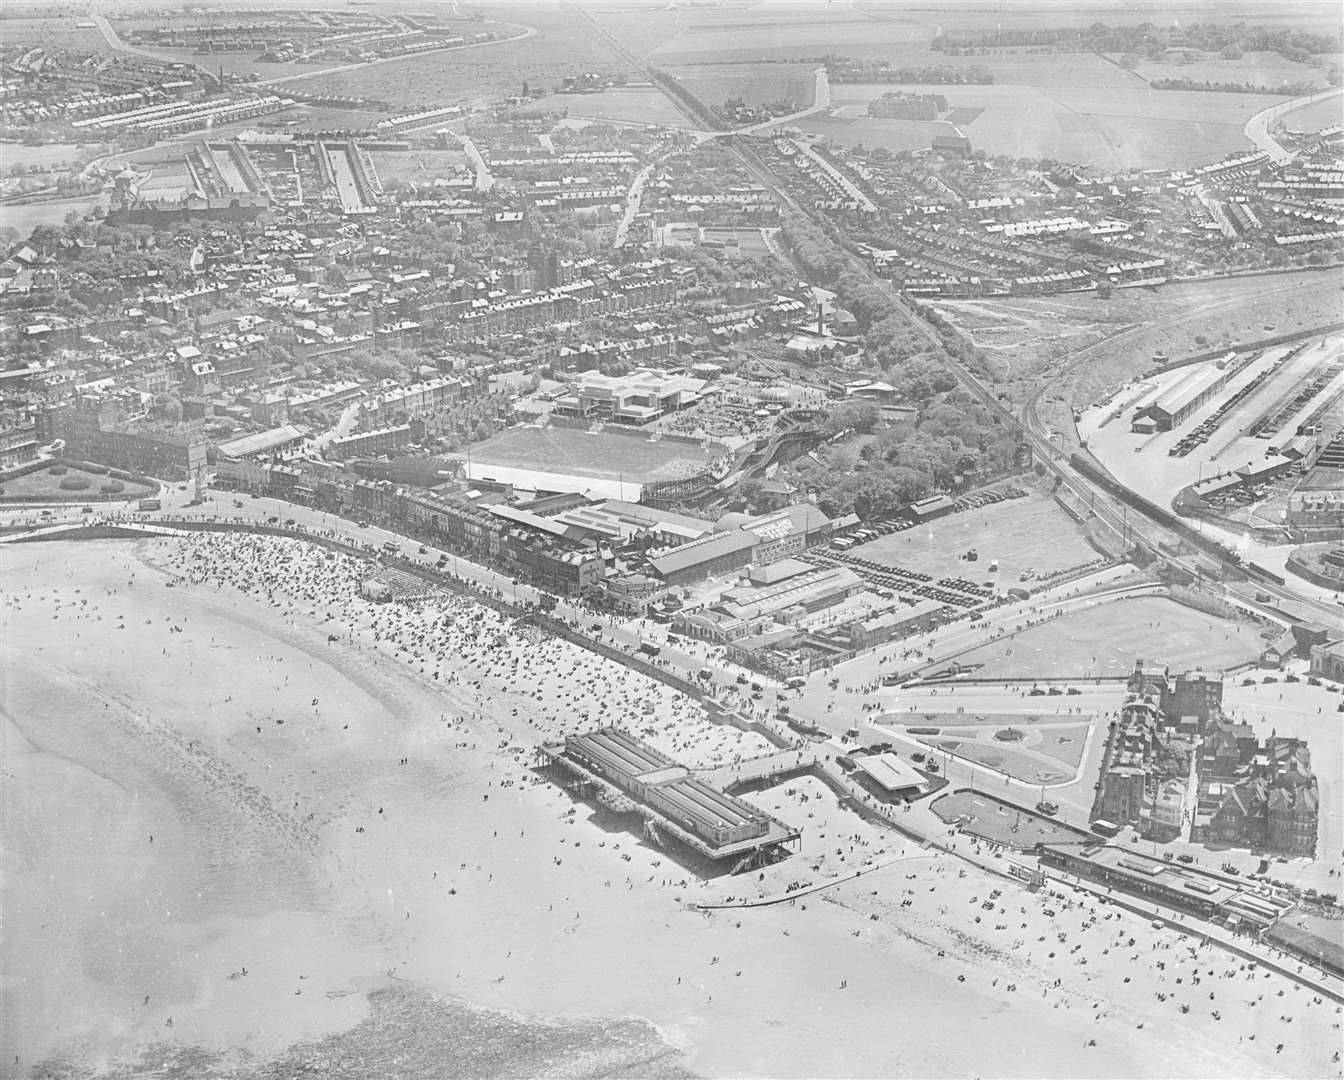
638 398
627 775
1179 402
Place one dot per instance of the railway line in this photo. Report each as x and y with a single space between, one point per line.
1150 523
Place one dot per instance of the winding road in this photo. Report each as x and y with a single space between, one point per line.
1257 127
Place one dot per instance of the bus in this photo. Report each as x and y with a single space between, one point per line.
1105 828
650 648
151 504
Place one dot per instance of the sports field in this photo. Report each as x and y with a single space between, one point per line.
1022 534
1106 640
605 456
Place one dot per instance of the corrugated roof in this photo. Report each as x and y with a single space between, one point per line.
700 551
260 441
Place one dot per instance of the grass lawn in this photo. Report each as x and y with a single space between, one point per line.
1106 640
1003 759
1063 743
605 456
1030 533
42 483
993 820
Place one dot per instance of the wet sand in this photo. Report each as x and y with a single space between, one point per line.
396 883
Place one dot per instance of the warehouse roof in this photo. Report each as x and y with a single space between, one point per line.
1188 390
701 551
261 442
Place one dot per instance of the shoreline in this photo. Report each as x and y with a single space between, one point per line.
376 913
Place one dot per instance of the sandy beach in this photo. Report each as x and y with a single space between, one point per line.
258 824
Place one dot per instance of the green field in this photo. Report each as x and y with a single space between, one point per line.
1115 125
756 84
1317 115
48 156
1022 534
626 104
1253 69
1106 640
789 32
562 45
608 457
59 32
28 216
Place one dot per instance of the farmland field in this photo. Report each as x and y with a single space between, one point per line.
978 17
755 84
1022 534
639 28
1111 127
58 33
644 104
570 450
1317 115
27 216
790 34
50 155
1254 68
1106 640
562 45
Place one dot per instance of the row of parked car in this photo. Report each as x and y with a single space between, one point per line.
988 498
907 582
